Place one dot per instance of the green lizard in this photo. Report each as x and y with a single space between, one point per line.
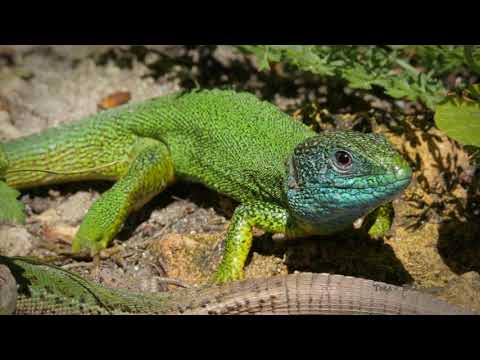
287 178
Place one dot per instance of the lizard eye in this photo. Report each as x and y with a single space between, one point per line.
343 160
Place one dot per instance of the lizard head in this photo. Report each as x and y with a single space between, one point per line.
338 176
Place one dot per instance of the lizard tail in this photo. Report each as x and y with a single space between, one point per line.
63 154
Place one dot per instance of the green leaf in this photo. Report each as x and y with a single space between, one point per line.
460 119
358 78
11 210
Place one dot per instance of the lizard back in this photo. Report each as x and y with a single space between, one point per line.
231 142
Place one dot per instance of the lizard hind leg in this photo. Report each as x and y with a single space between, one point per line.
150 171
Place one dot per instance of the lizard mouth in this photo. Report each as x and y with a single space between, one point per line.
364 183
397 184
395 179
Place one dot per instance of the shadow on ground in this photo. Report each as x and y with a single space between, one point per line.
459 239
351 253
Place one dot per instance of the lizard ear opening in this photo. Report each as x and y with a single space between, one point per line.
293 181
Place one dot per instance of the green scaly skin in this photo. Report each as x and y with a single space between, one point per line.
286 177
379 221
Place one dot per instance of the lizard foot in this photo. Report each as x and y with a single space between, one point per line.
224 274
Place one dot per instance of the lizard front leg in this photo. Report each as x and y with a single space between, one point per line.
379 221
238 242
150 171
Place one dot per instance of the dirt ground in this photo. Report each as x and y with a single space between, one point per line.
176 239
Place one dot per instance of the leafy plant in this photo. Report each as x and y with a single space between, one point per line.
11 210
410 72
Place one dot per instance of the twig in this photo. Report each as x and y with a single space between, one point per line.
175 282
77 265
